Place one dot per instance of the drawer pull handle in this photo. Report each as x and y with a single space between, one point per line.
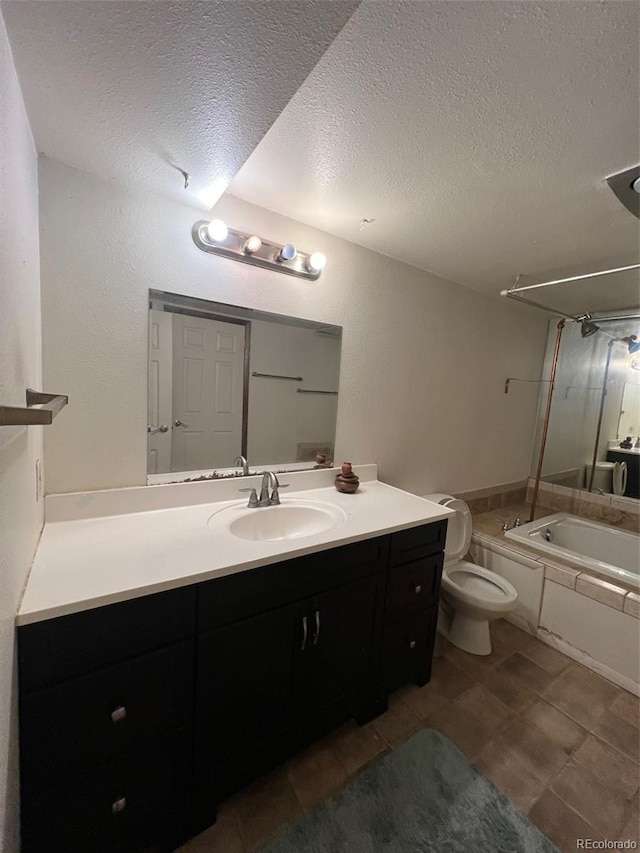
412 644
119 805
119 714
304 633
417 588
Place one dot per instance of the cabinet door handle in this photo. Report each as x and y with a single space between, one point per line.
305 631
119 714
316 633
417 588
119 805
411 644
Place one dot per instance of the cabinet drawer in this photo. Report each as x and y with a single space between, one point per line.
126 806
57 649
72 726
413 587
228 599
407 650
417 542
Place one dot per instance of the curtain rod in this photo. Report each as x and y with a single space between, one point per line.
516 289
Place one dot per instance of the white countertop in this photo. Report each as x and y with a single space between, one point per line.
87 562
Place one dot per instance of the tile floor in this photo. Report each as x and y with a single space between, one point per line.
561 742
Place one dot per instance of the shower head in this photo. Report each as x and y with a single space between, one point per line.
587 327
632 342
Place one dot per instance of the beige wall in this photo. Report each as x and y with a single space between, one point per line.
423 360
20 367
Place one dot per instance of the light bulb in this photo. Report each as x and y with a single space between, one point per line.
217 231
253 245
316 262
287 252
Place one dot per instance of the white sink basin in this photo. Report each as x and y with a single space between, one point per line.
293 520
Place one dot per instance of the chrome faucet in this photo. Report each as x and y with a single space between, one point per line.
269 479
241 460
266 499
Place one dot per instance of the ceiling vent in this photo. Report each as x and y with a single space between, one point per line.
626 186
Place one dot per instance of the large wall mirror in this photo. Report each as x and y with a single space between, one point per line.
595 407
226 381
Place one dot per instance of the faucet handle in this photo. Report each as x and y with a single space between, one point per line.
275 496
517 522
253 497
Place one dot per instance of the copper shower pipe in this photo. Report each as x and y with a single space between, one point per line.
545 427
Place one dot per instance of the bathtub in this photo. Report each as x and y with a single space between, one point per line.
605 551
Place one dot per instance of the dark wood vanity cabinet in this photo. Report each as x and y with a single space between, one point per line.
106 711
633 471
136 718
270 682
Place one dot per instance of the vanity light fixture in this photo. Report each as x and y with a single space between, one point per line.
316 262
214 237
287 253
217 231
253 244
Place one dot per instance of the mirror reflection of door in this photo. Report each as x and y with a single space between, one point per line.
159 392
208 381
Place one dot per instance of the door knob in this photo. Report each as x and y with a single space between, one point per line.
153 430
180 423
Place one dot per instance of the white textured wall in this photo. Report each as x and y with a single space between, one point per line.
20 367
423 360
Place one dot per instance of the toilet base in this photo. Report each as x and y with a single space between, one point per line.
470 635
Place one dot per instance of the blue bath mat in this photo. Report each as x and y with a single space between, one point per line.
424 797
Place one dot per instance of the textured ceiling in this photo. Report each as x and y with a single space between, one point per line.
477 134
125 89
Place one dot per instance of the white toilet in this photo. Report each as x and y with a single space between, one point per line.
472 597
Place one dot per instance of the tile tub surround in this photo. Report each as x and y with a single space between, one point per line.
494 497
126 543
607 509
609 611
563 749
488 527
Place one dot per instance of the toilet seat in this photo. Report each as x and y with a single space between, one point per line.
476 585
459 526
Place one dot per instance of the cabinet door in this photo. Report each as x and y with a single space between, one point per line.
337 658
408 650
244 681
